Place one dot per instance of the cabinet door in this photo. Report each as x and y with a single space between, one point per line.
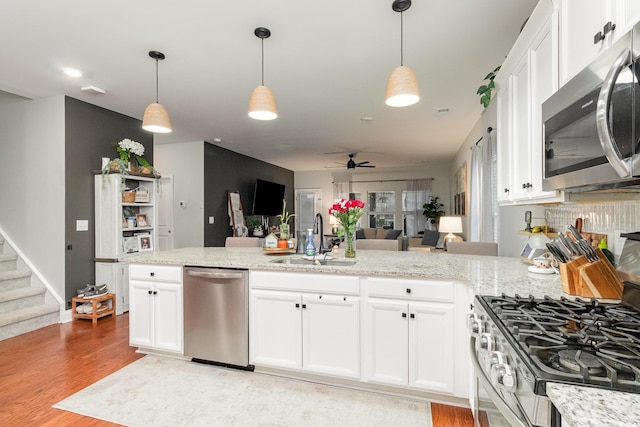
521 131
543 67
141 314
580 21
628 13
168 321
503 133
275 329
331 335
386 342
432 347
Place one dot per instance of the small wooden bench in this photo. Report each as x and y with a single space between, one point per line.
94 315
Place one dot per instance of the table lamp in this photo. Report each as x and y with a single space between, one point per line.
450 224
334 224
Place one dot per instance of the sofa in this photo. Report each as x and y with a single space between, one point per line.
428 242
379 239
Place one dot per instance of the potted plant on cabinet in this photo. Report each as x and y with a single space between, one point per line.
433 211
284 218
254 224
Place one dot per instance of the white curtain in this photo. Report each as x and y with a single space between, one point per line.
340 190
417 194
483 201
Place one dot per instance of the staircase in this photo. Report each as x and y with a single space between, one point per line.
22 306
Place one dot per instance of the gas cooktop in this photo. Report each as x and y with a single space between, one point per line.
572 341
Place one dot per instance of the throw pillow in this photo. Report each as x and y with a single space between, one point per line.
360 234
393 234
430 238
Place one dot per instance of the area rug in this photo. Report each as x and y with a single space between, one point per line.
155 391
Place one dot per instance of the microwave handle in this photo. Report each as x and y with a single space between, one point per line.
602 114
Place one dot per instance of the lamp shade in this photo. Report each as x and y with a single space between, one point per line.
538 241
262 104
156 119
402 87
450 224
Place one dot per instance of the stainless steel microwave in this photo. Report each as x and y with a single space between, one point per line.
591 125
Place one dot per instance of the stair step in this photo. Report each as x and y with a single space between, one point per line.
14 279
8 262
28 319
15 299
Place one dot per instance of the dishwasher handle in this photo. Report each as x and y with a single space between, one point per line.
214 275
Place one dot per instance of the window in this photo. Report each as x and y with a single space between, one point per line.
382 209
414 220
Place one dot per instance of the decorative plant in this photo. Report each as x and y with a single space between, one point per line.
254 222
432 210
285 216
348 212
484 91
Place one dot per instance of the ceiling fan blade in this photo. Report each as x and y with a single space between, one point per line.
365 166
363 163
334 167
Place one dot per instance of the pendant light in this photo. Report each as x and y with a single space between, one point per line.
156 117
402 87
262 104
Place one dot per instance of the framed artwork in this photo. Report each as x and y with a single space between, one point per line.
460 191
144 242
130 244
141 220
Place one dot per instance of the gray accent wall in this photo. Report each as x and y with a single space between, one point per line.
225 171
90 134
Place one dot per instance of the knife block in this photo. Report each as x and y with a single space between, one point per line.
597 279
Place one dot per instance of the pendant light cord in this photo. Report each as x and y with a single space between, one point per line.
157 81
401 39
262 45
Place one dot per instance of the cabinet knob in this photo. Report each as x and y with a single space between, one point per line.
408 290
304 305
319 296
506 190
297 305
412 315
598 37
608 27
155 292
149 291
152 274
404 315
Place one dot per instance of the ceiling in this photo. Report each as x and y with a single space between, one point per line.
326 61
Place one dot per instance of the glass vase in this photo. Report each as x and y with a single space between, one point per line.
350 241
284 231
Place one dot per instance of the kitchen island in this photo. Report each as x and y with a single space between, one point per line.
483 274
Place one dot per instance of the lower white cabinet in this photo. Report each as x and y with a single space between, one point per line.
156 313
410 344
316 332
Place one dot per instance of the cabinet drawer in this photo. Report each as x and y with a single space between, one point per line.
430 290
156 273
305 282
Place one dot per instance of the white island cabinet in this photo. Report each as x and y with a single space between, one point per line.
298 321
156 313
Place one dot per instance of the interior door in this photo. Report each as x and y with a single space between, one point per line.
308 204
165 213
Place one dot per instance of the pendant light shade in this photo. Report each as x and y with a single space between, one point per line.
156 118
262 104
402 87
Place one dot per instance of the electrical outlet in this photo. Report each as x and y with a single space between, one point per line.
68 304
82 225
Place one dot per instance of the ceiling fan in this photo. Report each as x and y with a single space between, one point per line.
352 164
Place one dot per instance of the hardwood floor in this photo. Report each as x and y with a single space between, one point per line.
40 368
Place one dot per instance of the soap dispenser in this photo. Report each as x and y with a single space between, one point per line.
310 248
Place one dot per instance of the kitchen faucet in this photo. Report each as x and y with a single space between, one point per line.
318 228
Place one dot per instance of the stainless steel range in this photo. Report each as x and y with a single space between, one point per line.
520 344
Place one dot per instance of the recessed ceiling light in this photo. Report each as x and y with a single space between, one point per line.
73 72
217 140
93 89
367 119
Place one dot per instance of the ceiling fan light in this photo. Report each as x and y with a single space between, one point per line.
262 104
156 119
402 88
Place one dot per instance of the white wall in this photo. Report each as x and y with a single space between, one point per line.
185 161
32 183
323 180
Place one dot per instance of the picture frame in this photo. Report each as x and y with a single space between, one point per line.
141 220
130 244
145 242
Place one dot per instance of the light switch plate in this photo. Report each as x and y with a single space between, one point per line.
211 220
82 225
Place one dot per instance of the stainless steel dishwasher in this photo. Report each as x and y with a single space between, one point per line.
216 316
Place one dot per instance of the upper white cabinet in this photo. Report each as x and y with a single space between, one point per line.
527 78
115 237
588 27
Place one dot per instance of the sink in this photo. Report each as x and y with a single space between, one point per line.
299 261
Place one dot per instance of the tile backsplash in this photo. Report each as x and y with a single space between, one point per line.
602 217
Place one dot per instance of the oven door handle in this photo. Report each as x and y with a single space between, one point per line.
602 115
516 420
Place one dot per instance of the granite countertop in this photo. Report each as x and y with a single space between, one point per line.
594 407
487 275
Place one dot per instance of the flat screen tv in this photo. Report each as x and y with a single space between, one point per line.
267 198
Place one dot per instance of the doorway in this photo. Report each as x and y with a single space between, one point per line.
308 204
